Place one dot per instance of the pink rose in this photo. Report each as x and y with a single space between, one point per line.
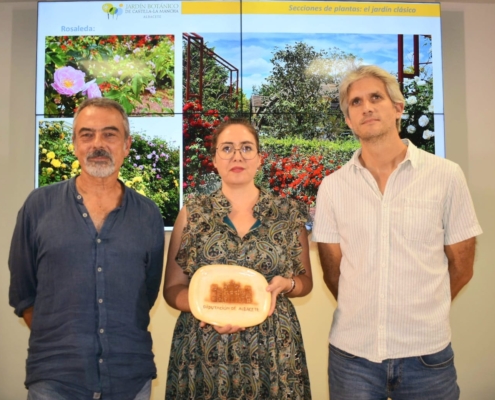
93 91
68 81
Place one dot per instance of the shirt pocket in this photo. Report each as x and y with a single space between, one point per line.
421 219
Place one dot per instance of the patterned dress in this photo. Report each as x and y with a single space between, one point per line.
266 361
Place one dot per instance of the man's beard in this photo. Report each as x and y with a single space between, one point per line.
100 169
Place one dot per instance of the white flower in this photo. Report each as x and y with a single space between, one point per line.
119 72
421 83
117 58
405 116
411 129
411 100
427 134
416 78
136 50
430 107
423 121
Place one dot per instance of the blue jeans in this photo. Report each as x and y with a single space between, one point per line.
428 377
53 390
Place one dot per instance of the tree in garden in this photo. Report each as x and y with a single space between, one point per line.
301 92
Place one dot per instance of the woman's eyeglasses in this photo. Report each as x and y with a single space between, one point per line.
227 151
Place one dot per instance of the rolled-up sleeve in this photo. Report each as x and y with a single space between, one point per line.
22 264
459 217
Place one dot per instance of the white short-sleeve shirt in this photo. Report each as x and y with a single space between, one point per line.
394 286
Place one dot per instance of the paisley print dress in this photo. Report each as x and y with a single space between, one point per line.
266 361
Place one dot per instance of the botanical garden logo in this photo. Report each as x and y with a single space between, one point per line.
114 11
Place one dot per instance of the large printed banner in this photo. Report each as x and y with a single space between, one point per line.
180 68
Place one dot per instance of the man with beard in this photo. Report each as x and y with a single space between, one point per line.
396 235
86 262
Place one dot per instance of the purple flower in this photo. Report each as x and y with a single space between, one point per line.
93 91
141 167
134 165
149 156
68 81
138 157
158 176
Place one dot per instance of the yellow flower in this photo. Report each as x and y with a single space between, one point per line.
44 151
64 177
140 191
56 163
72 175
176 183
50 155
75 164
128 184
171 171
137 179
63 165
49 171
71 147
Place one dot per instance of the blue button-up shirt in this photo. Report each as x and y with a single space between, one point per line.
91 291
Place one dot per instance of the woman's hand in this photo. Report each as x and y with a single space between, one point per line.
223 329
278 285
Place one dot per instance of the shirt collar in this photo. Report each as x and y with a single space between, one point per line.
79 198
411 155
222 207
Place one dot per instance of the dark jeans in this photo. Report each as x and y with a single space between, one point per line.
428 377
52 390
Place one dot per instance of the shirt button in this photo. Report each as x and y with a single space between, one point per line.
99 269
102 330
98 240
79 197
100 301
101 360
85 215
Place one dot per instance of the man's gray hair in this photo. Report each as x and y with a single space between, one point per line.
102 102
367 71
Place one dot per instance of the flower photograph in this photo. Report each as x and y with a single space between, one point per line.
152 167
135 70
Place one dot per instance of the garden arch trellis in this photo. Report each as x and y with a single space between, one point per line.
193 40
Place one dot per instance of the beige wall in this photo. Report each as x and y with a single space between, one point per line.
469 67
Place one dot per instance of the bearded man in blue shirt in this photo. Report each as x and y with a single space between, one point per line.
86 261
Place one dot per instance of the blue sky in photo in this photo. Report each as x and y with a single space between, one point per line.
258 48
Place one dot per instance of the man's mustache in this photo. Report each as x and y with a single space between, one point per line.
99 153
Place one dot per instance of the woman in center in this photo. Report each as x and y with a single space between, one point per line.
240 224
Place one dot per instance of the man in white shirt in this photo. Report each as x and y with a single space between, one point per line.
396 234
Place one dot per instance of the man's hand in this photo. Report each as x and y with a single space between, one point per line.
28 316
